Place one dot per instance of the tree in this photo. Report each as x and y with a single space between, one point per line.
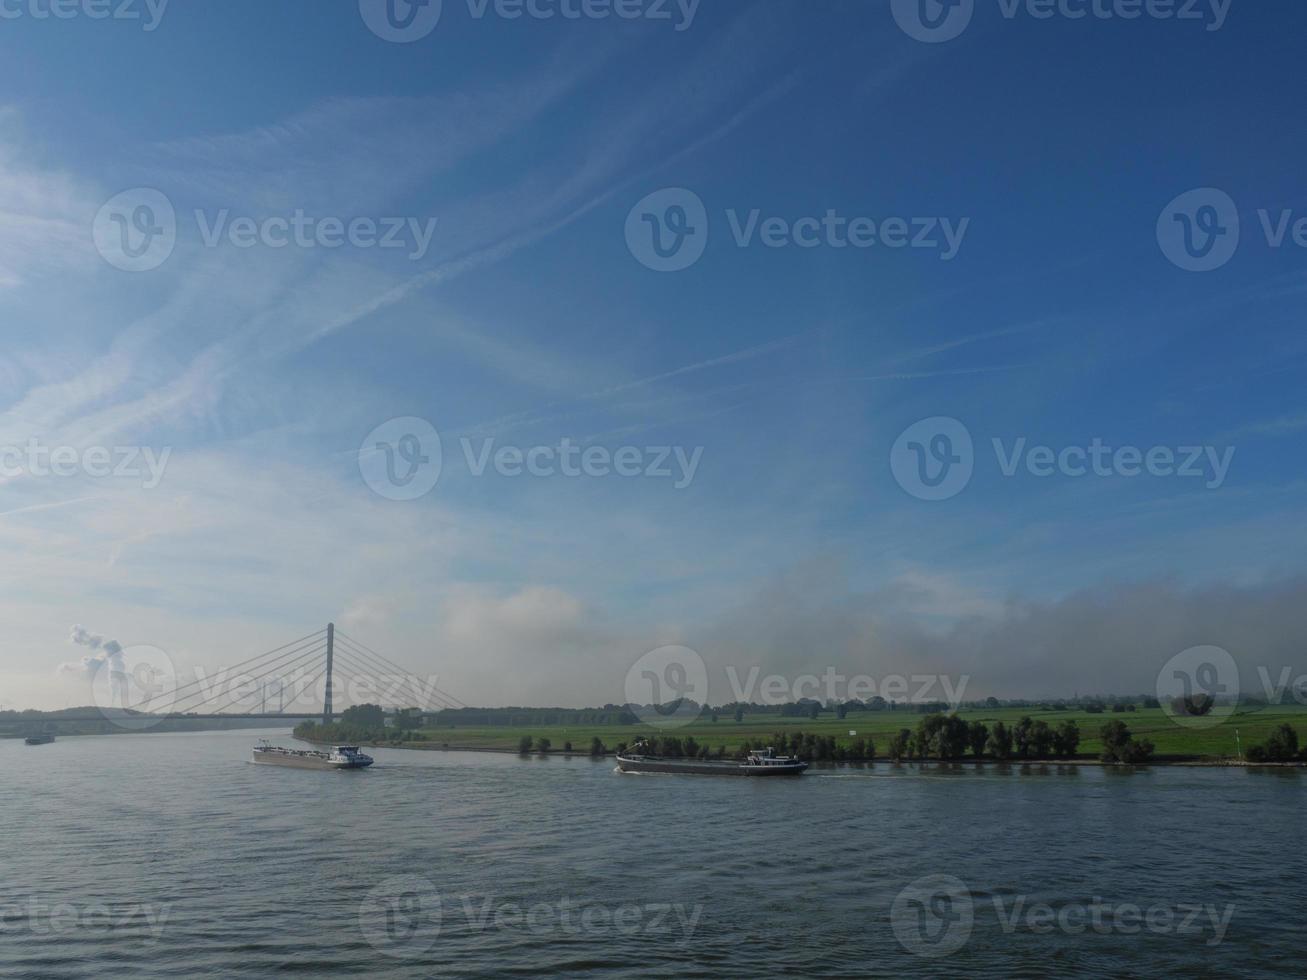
898 745
524 744
368 716
953 738
977 736
596 746
1021 737
543 744
1000 741
928 741
408 718
1041 740
1282 746
567 747
739 712
813 710
1120 746
1066 740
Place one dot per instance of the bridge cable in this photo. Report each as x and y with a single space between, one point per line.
296 663
359 644
200 680
446 700
277 662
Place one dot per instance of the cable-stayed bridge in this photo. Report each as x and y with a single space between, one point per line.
305 677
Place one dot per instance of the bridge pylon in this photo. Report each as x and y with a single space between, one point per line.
326 695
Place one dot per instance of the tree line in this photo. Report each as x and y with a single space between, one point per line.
1281 746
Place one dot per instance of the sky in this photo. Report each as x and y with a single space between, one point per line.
852 309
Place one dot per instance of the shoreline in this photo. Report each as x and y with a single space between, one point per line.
1196 763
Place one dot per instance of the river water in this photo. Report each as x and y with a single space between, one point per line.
172 856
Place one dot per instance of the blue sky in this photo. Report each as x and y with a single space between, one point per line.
529 320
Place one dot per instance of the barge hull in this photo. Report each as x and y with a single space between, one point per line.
707 768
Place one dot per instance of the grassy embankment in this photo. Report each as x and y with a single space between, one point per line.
1172 741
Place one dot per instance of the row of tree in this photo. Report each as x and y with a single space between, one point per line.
946 737
941 736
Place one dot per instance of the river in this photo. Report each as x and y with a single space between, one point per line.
170 855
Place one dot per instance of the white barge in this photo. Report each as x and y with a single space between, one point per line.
759 763
340 757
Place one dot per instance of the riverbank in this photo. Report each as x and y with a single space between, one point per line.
1044 763
1210 742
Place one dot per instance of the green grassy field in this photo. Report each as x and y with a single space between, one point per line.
1170 738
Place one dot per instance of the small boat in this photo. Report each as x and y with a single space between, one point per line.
759 763
43 739
340 757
